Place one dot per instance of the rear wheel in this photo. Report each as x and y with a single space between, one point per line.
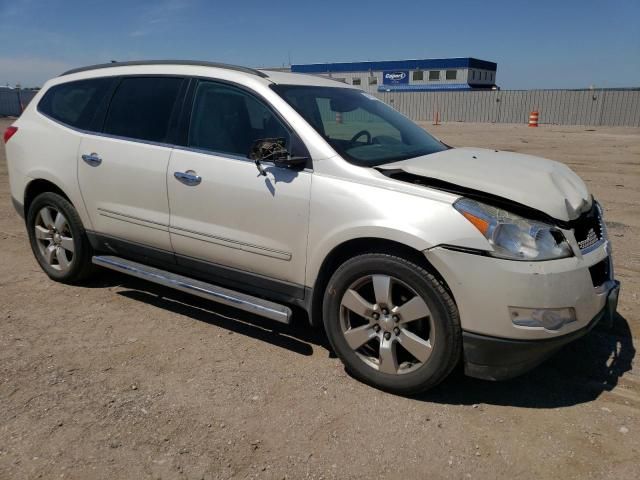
58 239
392 323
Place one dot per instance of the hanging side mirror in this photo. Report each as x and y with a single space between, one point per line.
273 150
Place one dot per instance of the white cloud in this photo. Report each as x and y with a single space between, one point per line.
155 18
139 33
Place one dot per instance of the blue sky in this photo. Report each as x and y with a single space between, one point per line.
537 44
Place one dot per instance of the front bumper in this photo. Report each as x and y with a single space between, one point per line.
485 288
488 290
492 358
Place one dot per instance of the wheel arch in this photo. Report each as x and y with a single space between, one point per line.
358 246
40 185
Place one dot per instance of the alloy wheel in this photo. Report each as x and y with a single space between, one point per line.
54 238
387 324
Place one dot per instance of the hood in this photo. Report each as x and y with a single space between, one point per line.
548 186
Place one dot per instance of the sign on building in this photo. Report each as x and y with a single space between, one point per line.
395 77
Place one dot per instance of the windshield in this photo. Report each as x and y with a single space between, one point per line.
362 129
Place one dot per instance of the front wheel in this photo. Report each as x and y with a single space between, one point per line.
58 238
392 323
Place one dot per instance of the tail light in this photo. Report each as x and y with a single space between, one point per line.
9 132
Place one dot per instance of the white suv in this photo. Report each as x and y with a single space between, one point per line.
265 190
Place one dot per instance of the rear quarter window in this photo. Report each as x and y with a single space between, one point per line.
75 103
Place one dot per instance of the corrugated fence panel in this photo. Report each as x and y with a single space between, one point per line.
632 105
560 107
12 102
607 115
9 102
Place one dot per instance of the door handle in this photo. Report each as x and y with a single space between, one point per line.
189 178
92 159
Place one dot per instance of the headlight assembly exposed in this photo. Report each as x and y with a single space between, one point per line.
512 236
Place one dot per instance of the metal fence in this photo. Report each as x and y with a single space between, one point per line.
13 101
561 107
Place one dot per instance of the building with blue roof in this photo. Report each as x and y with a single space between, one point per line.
434 74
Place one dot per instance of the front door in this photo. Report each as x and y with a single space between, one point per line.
122 172
223 211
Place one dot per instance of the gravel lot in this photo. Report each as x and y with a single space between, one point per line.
124 379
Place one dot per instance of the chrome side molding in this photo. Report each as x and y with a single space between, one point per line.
241 301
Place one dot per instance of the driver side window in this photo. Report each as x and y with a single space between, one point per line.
227 119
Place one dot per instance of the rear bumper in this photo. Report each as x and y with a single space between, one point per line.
492 358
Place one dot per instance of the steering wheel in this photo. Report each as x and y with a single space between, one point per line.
361 133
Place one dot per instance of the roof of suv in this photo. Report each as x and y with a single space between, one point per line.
277 77
137 63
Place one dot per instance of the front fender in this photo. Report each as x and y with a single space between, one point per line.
342 210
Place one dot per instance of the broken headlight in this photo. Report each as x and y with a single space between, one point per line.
512 236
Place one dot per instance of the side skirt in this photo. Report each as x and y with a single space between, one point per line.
239 280
241 301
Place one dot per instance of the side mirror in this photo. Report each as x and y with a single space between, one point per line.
273 150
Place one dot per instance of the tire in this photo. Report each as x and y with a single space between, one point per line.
414 354
60 244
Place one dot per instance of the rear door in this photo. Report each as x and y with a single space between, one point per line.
229 215
122 170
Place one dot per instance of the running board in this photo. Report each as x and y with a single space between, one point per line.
241 301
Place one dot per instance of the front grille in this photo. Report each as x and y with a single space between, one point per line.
599 272
588 229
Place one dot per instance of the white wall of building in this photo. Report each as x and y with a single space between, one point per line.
369 81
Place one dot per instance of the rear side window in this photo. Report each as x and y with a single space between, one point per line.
75 103
141 108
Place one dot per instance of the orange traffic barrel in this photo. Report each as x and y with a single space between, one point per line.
533 119
338 117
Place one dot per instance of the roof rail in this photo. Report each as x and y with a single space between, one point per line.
237 68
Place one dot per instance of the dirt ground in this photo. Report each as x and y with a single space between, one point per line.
121 379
